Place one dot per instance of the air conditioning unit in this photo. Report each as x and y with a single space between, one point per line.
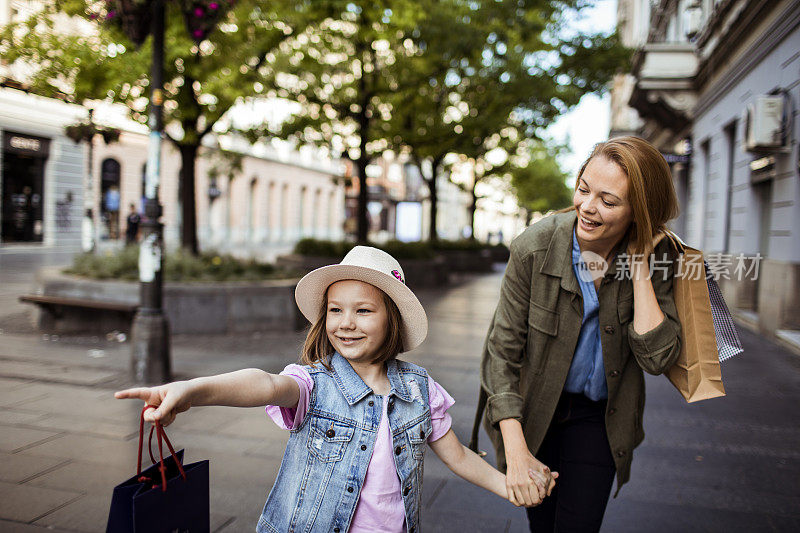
764 123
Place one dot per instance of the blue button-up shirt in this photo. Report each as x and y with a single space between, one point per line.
587 374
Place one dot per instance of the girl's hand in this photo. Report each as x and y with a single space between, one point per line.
549 486
171 399
522 474
545 487
539 482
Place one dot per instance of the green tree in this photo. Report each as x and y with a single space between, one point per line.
342 72
540 183
202 80
426 118
492 74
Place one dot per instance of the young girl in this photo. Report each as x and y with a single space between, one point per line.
359 418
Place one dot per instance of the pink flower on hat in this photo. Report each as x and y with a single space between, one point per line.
396 274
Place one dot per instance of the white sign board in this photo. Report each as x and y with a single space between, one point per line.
408 221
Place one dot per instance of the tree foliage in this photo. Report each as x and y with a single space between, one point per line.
343 72
540 183
424 77
491 75
70 50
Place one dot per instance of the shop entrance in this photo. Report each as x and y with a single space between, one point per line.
22 187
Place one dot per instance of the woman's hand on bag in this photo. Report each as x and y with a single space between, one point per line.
528 481
170 399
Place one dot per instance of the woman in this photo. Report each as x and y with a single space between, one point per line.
576 324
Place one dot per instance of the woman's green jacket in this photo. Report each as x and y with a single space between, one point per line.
535 330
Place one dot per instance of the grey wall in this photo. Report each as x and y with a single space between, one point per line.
764 68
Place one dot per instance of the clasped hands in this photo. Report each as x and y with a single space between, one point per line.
528 481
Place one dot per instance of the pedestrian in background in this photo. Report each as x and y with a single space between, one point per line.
579 318
360 419
132 225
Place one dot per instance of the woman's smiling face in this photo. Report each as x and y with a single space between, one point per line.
601 202
356 320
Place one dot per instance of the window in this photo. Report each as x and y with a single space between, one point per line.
730 139
109 198
251 222
301 212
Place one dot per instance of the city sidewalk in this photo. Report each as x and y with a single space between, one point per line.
728 464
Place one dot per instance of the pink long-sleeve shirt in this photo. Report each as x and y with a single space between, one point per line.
380 504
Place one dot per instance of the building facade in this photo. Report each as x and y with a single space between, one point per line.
716 86
400 206
259 210
41 183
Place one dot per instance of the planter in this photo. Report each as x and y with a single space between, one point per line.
214 308
426 272
468 260
500 254
304 263
419 272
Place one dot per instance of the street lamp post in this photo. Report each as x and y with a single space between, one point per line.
150 361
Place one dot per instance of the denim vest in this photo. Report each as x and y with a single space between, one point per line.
326 458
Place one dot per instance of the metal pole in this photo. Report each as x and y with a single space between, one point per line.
150 362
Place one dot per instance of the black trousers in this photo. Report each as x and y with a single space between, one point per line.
576 446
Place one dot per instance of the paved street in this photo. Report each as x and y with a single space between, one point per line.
728 464
17 266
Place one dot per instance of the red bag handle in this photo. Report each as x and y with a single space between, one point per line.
161 435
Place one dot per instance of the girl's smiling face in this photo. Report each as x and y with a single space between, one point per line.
601 200
356 320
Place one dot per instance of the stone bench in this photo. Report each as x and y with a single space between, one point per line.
60 314
70 304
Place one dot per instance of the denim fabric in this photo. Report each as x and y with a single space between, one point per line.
586 374
324 465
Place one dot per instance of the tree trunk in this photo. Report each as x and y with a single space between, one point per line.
188 208
363 198
433 236
361 166
472 208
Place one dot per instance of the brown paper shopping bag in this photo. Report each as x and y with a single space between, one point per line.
696 374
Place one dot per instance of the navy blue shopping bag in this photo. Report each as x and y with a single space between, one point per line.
167 497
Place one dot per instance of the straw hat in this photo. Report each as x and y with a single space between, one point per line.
373 266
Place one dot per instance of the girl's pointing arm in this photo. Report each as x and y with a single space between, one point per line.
250 387
244 388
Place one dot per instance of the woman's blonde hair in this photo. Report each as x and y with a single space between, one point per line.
318 348
651 192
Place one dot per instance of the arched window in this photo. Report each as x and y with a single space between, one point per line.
270 206
332 213
251 211
110 198
229 215
316 215
301 212
284 207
